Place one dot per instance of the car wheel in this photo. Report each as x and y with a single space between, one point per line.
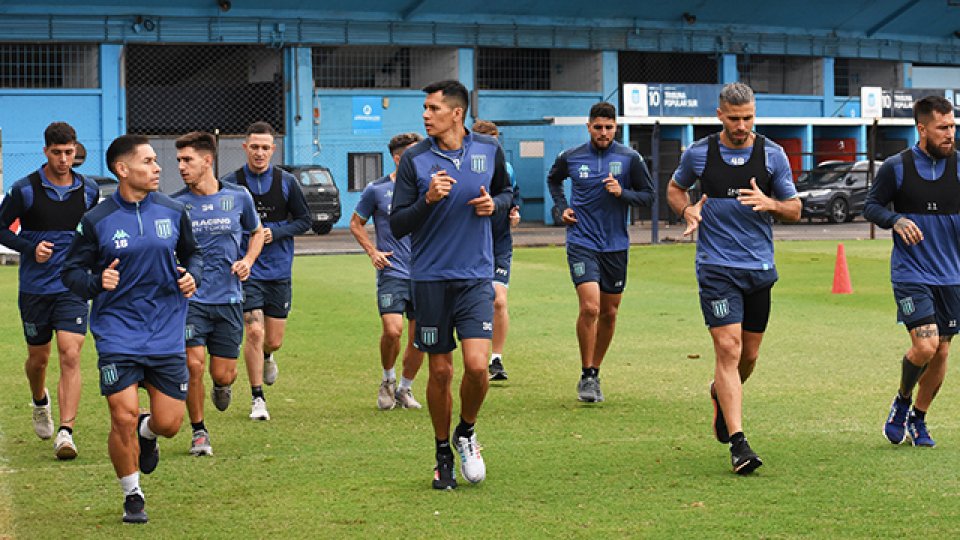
322 228
838 210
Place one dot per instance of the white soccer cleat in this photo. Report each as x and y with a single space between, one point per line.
471 462
258 409
63 446
386 399
43 419
270 369
406 400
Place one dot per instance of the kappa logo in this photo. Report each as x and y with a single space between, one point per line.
429 335
478 163
616 168
386 300
109 375
906 305
584 171
579 269
120 239
226 203
164 227
721 308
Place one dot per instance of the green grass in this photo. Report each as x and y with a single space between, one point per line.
642 464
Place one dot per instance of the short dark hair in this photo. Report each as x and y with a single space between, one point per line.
261 128
603 110
200 141
924 108
401 141
452 90
59 133
486 127
122 147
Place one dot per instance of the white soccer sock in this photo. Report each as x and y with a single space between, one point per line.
405 383
130 484
145 429
390 374
496 356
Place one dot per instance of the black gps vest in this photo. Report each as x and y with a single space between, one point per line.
46 214
722 180
919 196
271 205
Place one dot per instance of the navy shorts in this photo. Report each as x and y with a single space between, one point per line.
217 326
735 296
501 268
167 373
442 306
273 297
395 295
919 304
43 313
608 268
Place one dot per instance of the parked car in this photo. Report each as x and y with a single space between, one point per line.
835 190
108 185
323 197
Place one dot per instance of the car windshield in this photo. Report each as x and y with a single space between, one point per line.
315 177
823 175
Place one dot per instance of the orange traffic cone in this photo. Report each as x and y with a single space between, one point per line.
841 275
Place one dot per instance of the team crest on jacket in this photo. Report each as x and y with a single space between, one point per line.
616 168
164 228
226 203
720 308
478 163
906 305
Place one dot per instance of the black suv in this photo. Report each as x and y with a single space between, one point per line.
323 197
835 190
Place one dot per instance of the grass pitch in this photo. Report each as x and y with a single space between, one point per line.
643 464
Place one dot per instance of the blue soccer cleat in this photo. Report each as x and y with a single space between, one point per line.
917 431
895 429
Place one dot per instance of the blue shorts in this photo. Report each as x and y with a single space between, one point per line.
442 306
43 313
735 296
608 268
919 304
501 268
395 295
167 373
217 326
273 297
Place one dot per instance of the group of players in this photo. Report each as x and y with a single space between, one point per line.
442 252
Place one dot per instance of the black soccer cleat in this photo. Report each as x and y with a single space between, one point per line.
497 373
149 449
444 475
133 509
719 424
743 458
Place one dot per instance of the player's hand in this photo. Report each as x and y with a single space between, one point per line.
514 216
241 268
483 205
186 283
568 217
380 260
691 215
908 231
754 197
111 276
440 185
267 235
612 186
43 252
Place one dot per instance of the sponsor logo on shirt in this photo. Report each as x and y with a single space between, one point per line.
120 239
164 227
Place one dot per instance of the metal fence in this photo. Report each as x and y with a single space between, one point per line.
538 69
382 66
49 65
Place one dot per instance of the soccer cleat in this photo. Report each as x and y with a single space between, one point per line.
149 449
497 373
221 396
587 389
471 462
599 391
258 409
719 424
133 509
270 369
895 428
918 433
743 458
200 446
385 396
63 446
406 400
444 476
43 418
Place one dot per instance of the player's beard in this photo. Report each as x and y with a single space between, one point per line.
937 152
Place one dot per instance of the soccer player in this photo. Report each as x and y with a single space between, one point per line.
135 256
448 186
221 214
391 257
502 258
267 293
746 182
49 203
607 179
922 183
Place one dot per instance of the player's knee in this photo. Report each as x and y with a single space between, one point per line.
272 343
392 332
500 303
608 315
195 367
254 332
589 311
224 375
476 373
167 424
729 345
37 360
124 422
441 373
923 350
